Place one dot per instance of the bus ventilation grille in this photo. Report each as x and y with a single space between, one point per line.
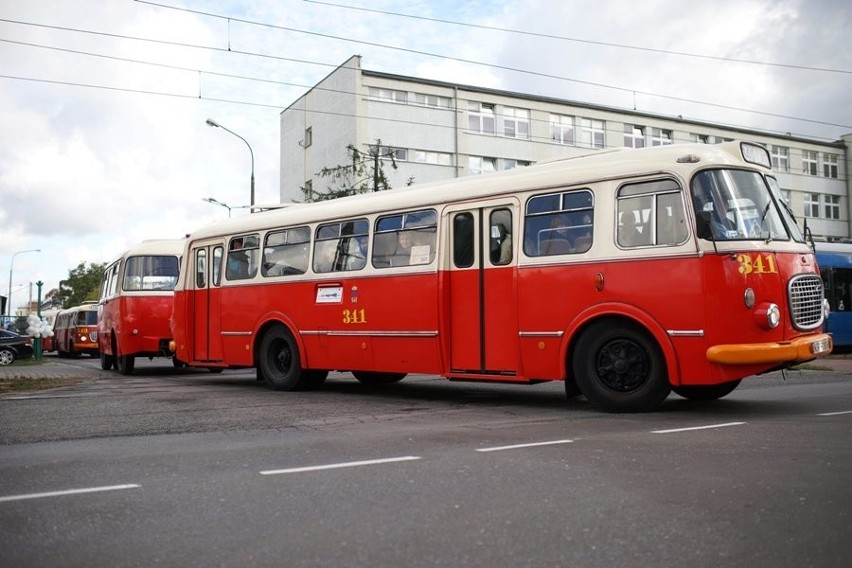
805 293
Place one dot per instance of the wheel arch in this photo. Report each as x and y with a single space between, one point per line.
622 313
268 322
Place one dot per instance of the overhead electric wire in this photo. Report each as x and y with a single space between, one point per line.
578 40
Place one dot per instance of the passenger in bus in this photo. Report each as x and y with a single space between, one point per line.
402 254
238 268
501 244
628 233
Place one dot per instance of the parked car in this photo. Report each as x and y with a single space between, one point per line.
14 346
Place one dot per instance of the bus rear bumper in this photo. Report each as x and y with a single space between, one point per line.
796 351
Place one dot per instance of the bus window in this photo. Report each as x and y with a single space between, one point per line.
501 237
242 257
201 268
286 252
218 251
405 239
463 240
559 223
650 213
842 281
150 273
341 247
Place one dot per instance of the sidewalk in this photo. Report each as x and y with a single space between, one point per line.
49 368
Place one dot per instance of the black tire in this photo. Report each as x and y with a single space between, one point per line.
279 362
374 378
706 392
126 363
177 363
571 388
620 368
7 356
107 361
72 352
215 370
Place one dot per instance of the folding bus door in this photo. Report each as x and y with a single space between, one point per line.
204 315
483 289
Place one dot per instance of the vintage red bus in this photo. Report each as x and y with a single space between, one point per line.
75 331
626 274
136 304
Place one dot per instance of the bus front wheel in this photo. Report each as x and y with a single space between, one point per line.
279 362
620 368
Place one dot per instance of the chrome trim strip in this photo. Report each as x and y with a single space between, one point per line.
336 333
685 332
236 333
541 333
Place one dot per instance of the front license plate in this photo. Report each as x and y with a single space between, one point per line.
820 346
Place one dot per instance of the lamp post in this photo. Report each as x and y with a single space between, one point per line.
216 202
11 269
213 123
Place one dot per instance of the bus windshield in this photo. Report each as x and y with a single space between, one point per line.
87 317
736 205
151 273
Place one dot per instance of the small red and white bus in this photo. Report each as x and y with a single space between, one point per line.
626 274
136 303
75 331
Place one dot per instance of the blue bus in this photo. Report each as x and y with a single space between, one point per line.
835 265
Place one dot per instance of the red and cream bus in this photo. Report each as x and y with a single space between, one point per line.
75 331
626 274
136 304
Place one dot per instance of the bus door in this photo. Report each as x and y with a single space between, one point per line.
204 308
483 288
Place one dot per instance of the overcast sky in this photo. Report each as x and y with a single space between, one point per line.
103 102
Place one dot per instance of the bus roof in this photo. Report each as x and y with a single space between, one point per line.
155 247
557 173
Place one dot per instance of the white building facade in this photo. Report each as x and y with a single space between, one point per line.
441 130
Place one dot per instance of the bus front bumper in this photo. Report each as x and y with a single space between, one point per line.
796 351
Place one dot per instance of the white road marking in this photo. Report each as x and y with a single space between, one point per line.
68 492
338 465
516 446
708 427
835 413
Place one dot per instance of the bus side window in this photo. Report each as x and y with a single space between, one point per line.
405 239
242 257
201 268
501 237
341 247
216 272
559 223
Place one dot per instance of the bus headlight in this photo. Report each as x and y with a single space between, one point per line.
767 315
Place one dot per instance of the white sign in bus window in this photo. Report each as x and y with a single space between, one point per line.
420 254
330 295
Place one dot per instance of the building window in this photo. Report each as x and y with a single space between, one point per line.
516 123
439 158
432 100
660 137
309 137
480 117
509 164
809 163
832 207
562 129
388 95
780 158
479 165
829 165
591 133
811 205
634 136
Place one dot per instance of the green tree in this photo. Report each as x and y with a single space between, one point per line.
83 283
364 173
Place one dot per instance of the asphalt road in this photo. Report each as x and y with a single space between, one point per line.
185 468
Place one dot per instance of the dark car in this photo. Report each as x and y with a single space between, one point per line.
14 346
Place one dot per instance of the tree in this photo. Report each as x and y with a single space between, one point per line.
364 173
83 283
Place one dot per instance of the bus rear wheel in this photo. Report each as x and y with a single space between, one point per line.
107 361
620 368
706 392
279 362
373 378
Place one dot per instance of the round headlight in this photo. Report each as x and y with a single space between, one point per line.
773 316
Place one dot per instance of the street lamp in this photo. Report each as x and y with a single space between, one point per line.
216 202
11 268
213 123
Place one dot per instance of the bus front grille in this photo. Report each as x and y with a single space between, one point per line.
805 294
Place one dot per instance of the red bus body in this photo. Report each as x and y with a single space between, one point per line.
704 313
136 304
75 331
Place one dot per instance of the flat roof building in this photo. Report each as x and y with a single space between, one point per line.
439 130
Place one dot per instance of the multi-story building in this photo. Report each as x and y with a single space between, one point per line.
440 130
